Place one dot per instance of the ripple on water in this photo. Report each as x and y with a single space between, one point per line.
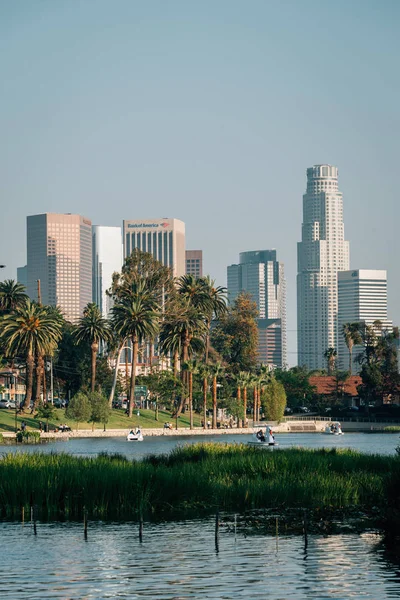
178 561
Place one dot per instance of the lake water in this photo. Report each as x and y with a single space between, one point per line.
178 560
382 443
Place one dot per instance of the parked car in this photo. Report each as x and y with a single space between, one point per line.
7 404
303 409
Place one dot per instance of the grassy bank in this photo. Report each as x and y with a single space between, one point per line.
192 480
118 420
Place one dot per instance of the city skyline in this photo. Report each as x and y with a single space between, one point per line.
209 113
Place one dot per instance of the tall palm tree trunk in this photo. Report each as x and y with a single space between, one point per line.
350 357
29 380
39 371
115 377
239 398
44 380
205 402
244 405
95 349
135 348
214 416
191 400
184 376
254 404
175 363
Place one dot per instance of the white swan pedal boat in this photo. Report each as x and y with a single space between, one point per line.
334 429
263 437
135 436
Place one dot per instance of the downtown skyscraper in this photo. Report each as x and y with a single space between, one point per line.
163 238
321 254
59 250
260 274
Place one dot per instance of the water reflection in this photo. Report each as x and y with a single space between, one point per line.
363 442
178 561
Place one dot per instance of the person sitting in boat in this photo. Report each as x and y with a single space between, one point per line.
333 428
260 436
131 432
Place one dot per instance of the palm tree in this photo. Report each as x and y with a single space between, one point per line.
194 291
135 317
216 371
181 334
352 337
12 295
28 331
216 306
53 312
92 328
330 355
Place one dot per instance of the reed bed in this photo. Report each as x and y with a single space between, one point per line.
192 480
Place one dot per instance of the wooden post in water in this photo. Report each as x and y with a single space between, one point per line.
305 524
23 515
217 532
85 523
141 529
33 517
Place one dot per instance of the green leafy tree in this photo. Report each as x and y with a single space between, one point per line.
296 382
92 329
165 388
79 409
273 400
47 411
235 337
101 410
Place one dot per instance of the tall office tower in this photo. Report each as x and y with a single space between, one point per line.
107 259
260 274
362 298
163 238
321 253
22 275
194 263
60 256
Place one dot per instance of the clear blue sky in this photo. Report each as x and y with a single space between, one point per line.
207 111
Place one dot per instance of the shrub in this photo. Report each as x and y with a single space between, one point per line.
28 437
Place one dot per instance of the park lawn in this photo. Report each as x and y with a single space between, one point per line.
118 420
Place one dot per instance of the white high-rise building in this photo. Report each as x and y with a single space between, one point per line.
163 238
362 298
107 259
321 253
261 275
